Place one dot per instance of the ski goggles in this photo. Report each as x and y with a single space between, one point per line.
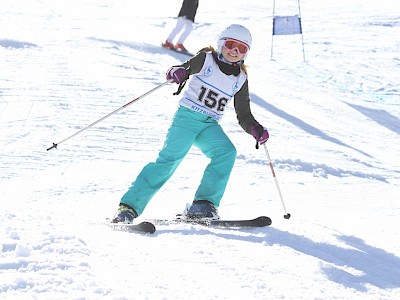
230 45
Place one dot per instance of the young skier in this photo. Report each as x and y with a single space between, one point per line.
184 23
216 76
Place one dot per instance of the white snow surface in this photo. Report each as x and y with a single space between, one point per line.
334 122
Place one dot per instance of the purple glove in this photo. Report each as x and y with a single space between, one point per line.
259 133
177 74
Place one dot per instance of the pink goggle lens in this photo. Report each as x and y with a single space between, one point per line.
232 44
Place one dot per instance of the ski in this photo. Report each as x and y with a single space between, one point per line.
149 227
143 227
261 221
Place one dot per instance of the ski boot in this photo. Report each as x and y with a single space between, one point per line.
201 210
167 45
125 214
180 48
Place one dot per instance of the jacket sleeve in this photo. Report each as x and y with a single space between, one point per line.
195 64
192 66
242 108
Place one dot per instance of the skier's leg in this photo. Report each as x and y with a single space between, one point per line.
185 126
154 175
180 23
216 145
187 29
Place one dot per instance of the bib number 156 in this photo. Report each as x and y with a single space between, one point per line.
212 99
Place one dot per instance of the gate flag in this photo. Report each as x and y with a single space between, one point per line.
287 25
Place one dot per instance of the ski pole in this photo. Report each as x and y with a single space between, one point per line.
287 215
110 114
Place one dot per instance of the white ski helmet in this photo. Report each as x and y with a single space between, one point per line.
236 32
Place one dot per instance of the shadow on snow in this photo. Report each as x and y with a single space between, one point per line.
12 44
299 123
372 265
376 266
380 116
142 47
318 170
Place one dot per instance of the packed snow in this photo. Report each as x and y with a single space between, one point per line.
334 123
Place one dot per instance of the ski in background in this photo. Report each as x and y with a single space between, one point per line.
184 52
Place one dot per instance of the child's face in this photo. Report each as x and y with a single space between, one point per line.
232 55
233 50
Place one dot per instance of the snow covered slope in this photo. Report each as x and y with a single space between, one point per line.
334 122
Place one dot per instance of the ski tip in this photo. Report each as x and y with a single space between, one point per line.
150 228
264 220
143 227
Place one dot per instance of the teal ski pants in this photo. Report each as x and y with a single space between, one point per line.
188 128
